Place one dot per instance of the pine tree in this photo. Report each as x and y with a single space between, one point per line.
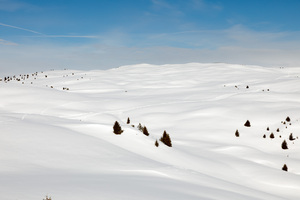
128 120
117 128
272 136
284 145
166 139
156 143
145 131
247 124
288 119
285 168
237 134
140 127
291 137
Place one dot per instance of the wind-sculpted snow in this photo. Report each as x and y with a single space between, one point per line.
57 137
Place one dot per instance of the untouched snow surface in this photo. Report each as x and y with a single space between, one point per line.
61 143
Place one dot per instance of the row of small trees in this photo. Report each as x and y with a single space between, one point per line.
164 139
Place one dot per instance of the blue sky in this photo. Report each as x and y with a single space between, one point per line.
87 34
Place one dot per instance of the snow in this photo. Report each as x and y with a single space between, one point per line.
61 143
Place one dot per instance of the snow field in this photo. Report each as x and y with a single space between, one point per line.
60 142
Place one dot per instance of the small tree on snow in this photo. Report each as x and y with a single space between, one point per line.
247 124
140 127
237 134
284 145
128 120
145 131
285 168
291 137
156 143
166 139
117 128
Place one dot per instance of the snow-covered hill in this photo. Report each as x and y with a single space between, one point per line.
57 137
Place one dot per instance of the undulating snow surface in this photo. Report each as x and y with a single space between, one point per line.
60 142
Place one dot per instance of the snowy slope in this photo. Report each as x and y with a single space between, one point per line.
60 142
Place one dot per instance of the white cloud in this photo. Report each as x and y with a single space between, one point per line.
5 42
238 36
19 59
235 45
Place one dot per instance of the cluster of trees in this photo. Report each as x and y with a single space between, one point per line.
19 78
284 144
165 138
143 129
247 124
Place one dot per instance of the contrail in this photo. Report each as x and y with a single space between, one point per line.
24 29
67 36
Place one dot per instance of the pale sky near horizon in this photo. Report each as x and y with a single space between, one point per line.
41 35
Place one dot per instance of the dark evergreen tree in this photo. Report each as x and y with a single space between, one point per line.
156 143
272 136
268 129
277 130
291 137
284 145
264 136
145 131
288 119
285 168
237 134
128 120
247 124
117 128
166 139
140 127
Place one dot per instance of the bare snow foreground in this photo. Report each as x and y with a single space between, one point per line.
57 137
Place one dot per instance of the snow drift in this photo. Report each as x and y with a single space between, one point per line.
57 137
